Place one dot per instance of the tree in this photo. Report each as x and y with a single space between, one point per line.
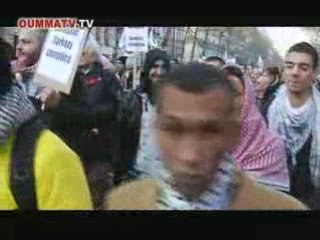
194 43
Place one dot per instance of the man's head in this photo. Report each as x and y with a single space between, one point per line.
157 65
29 46
90 53
215 61
300 67
121 63
194 124
235 75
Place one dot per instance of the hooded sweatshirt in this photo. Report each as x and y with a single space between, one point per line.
148 153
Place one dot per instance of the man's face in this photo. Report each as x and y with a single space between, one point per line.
28 50
87 58
157 71
262 83
194 132
298 72
119 65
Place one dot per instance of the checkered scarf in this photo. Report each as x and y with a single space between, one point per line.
260 153
24 78
295 129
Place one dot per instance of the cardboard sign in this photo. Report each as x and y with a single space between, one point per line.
59 58
136 39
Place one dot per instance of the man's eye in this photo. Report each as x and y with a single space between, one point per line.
171 129
25 41
213 130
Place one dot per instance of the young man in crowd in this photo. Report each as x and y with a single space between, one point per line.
157 65
28 51
195 131
87 119
121 73
295 115
38 171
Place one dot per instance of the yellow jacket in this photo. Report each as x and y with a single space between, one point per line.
60 181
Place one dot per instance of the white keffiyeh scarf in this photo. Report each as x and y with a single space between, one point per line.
295 128
219 196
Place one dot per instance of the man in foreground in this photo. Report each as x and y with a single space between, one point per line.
196 126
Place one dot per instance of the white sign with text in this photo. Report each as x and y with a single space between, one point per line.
60 57
136 39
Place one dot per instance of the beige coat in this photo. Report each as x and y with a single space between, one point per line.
141 195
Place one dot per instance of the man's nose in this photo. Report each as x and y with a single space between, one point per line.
19 46
295 70
188 152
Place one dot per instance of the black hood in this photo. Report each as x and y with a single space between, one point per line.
5 67
151 57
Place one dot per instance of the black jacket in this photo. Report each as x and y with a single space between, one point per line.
91 105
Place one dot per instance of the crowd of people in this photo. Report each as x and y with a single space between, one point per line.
204 135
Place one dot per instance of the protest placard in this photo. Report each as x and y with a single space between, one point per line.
59 58
136 39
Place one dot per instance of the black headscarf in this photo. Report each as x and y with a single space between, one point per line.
151 57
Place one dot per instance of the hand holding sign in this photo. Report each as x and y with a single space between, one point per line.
50 98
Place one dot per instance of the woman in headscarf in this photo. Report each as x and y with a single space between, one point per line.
260 153
267 87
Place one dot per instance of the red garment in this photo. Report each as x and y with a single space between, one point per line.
261 153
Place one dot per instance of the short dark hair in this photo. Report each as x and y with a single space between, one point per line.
194 78
307 48
274 72
215 58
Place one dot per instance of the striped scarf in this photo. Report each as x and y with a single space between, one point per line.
219 195
295 129
15 109
24 78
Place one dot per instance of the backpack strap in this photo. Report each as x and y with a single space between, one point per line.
22 180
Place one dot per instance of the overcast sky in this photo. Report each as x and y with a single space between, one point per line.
284 37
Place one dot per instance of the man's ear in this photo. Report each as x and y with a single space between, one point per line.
234 134
315 74
234 126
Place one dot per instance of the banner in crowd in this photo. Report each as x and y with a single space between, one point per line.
231 61
134 39
60 57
